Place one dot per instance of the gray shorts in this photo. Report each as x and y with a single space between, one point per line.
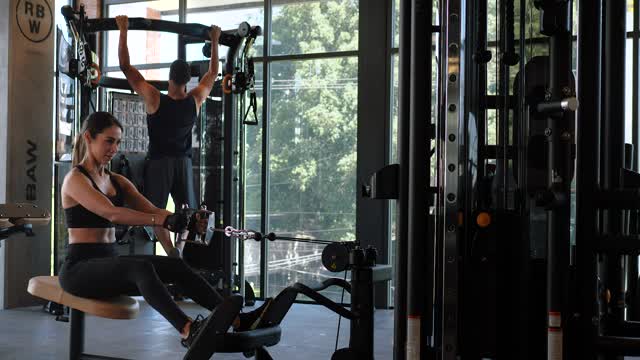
169 175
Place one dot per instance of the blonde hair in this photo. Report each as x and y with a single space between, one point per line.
95 124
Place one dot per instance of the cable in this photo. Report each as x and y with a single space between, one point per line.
315 241
340 316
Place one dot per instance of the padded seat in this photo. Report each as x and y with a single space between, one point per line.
120 307
252 342
48 287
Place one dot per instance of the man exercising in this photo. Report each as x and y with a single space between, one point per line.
170 120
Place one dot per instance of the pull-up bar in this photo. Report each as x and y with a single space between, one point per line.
228 38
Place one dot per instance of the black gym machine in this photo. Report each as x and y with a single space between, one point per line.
514 171
336 257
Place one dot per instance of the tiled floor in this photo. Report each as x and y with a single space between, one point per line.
309 333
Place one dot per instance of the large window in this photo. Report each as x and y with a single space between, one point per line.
312 159
313 70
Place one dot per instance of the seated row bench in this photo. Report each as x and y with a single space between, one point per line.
124 307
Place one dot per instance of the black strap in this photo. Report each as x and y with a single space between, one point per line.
113 181
86 173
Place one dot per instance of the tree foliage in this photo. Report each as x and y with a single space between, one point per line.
313 122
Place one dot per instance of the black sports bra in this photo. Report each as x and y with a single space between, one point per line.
79 217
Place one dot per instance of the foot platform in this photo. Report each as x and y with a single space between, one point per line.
218 322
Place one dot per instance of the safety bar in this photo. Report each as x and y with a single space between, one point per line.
618 244
628 198
618 345
568 104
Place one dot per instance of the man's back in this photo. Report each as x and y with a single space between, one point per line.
170 127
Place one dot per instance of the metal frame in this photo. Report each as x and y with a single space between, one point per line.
266 114
635 35
452 116
76 338
400 278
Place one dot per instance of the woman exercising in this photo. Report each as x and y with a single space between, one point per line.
93 199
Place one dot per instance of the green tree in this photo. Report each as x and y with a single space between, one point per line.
313 122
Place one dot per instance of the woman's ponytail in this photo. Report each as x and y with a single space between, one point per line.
78 150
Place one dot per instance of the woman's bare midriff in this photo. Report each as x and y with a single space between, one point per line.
92 235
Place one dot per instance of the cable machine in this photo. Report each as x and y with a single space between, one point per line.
485 246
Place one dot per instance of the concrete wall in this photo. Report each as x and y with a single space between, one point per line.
26 112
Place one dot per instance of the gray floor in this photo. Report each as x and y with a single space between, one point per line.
309 333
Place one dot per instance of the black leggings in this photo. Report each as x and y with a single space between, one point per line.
96 271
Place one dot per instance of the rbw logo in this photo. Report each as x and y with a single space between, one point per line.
35 19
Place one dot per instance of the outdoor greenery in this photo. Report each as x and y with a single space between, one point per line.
312 125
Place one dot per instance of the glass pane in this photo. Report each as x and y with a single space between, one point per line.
394 108
629 15
305 27
228 16
628 92
292 262
152 74
195 53
394 160
253 194
396 23
312 162
145 47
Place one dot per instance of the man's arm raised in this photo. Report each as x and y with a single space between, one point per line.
203 89
149 93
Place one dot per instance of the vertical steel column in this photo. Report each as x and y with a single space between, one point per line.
420 238
361 331
559 139
613 146
481 57
230 175
266 116
587 180
502 104
452 115
400 295
76 334
635 136
182 17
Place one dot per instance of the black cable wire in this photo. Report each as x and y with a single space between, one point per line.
340 316
316 241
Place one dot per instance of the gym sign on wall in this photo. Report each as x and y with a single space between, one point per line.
35 19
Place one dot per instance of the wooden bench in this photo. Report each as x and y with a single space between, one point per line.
121 307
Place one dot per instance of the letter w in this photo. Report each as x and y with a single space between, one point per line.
34 26
31 152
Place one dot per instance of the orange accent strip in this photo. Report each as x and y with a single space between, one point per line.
227 83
